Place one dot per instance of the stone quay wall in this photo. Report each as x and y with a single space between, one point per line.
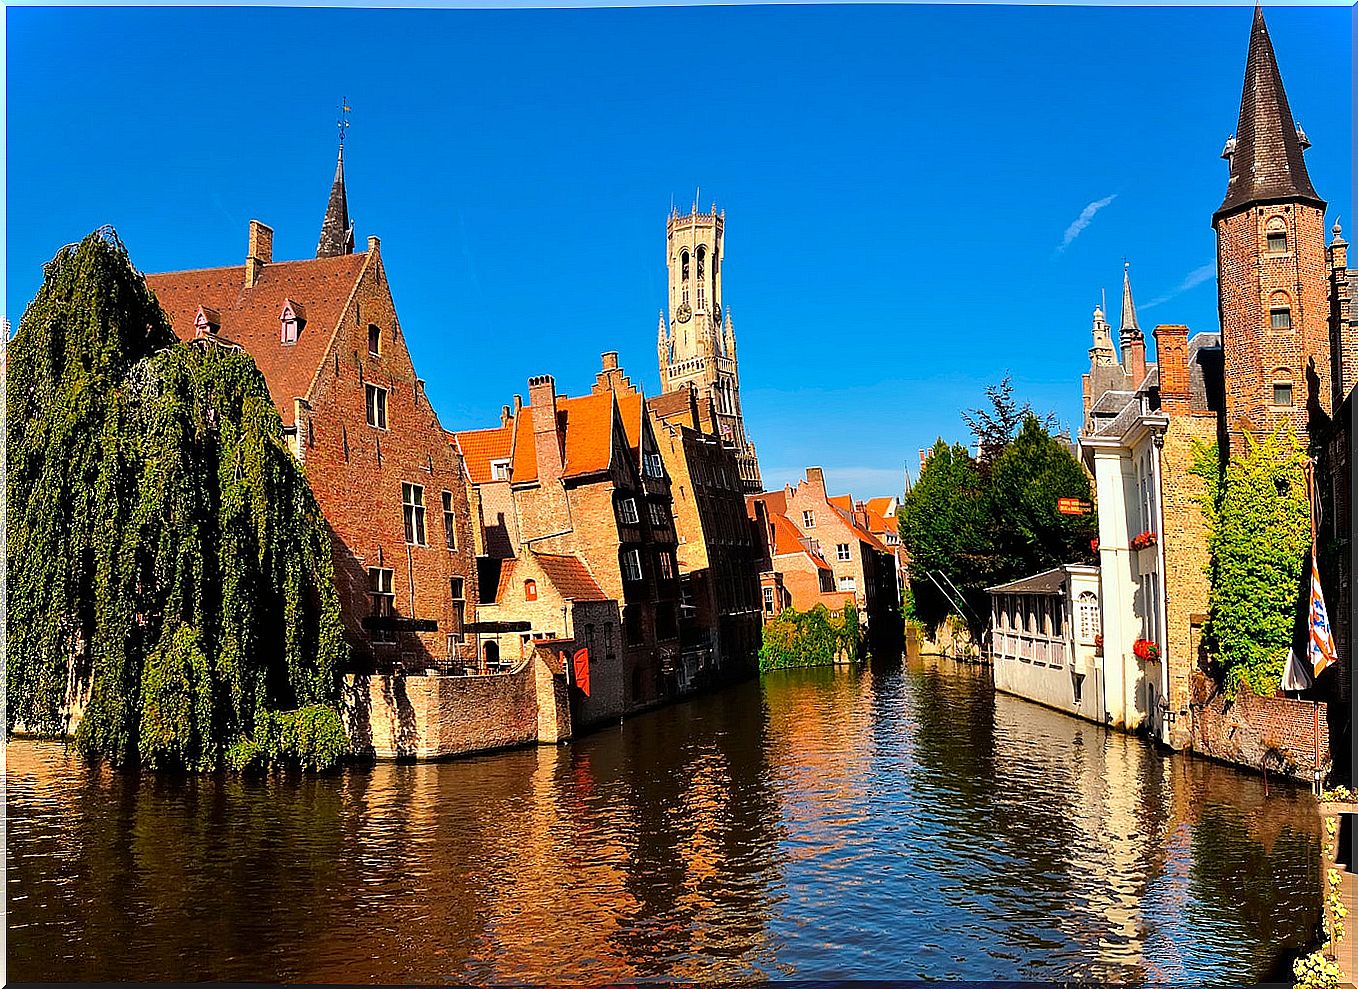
436 717
1278 734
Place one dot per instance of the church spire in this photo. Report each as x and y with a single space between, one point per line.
337 233
1102 353
1129 323
1266 151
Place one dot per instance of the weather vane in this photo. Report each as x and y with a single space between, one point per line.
343 121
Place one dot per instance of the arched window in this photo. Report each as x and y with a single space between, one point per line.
702 281
683 265
530 590
702 260
1276 236
1087 605
1280 311
1282 387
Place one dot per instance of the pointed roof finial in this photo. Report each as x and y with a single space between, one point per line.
1266 156
1129 324
337 233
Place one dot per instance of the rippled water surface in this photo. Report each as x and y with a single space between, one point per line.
894 824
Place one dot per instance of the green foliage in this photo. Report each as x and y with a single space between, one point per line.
1259 531
312 738
166 556
810 638
983 527
995 427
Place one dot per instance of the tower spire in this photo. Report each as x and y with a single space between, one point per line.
337 233
1129 323
1265 154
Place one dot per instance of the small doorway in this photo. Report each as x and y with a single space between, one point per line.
491 654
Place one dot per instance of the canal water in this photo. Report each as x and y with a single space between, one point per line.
901 823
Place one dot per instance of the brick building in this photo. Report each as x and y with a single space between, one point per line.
698 345
325 334
808 532
1286 354
575 511
718 550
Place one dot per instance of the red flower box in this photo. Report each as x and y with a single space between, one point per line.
1146 649
1144 540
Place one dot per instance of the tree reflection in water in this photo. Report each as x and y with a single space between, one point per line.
896 822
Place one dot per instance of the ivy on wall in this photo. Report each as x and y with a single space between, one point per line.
166 555
1259 532
810 638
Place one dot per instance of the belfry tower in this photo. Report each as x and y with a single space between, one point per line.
1271 264
698 345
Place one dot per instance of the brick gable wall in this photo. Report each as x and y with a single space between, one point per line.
356 472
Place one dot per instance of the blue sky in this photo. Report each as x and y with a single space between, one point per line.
902 185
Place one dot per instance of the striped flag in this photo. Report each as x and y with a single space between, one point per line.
1320 649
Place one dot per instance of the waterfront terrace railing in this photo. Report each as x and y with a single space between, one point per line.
1040 650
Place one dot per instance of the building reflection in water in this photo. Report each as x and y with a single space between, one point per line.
890 823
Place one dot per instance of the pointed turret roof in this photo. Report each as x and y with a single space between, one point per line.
337 234
1266 151
1129 323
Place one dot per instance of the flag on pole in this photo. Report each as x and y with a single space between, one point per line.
580 667
1296 673
1320 648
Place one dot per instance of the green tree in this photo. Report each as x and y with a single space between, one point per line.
1259 532
997 423
981 527
1027 480
166 557
943 524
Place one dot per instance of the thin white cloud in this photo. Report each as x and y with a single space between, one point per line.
1191 280
1085 218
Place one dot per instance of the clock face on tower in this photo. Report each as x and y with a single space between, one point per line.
683 312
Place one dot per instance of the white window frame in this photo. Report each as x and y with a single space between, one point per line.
654 465
383 602
499 470
376 399
658 514
412 512
808 519
847 583
371 338
627 511
631 565
843 552
457 589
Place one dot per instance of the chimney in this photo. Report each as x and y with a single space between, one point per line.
374 245
260 254
815 477
504 415
547 437
1134 356
610 360
1171 350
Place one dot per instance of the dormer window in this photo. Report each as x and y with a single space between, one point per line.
499 470
207 322
293 318
1276 236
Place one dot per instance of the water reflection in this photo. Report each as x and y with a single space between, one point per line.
891 823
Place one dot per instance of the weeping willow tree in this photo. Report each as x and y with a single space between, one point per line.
168 568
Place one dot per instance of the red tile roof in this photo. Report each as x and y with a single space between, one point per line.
843 502
570 577
787 540
250 316
480 446
775 502
587 422
881 506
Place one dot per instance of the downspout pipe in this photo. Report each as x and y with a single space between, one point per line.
1162 604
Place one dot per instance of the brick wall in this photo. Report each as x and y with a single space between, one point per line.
1277 733
432 717
1185 547
1249 278
357 471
